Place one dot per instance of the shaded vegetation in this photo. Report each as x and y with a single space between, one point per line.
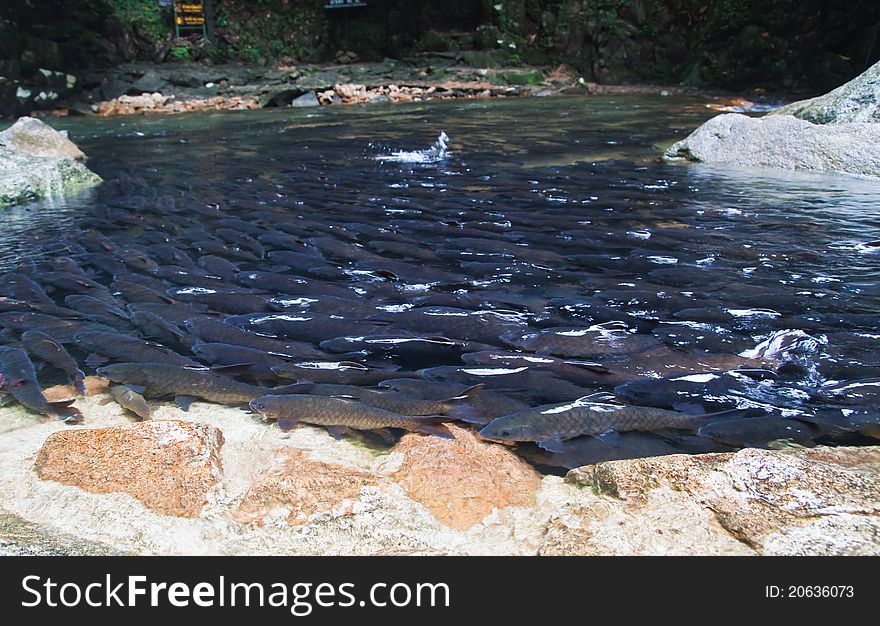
736 44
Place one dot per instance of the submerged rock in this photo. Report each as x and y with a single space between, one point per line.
37 161
856 101
169 465
783 142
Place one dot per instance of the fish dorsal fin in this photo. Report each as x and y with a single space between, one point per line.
599 397
588 365
354 365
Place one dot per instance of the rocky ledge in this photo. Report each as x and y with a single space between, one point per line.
215 480
837 132
37 161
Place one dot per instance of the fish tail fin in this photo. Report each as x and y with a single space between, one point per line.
460 407
79 382
434 426
293 388
65 412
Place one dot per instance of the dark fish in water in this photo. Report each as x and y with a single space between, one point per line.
133 292
77 283
760 431
288 410
255 363
128 349
215 331
714 390
540 385
307 327
480 326
243 240
169 255
234 301
454 406
484 406
855 392
152 326
610 338
45 348
131 400
61 331
633 445
24 288
99 310
424 348
549 425
337 372
18 378
156 380
177 313
580 372
218 266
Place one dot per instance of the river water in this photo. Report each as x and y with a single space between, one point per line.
549 230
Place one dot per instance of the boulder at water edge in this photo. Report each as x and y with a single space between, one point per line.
837 132
37 161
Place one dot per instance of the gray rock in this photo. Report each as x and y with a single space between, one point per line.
306 100
783 142
149 83
185 79
280 97
31 136
37 161
856 101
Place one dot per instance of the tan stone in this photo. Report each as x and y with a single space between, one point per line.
758 497
95 385
169 465
305 488
462 480
31 136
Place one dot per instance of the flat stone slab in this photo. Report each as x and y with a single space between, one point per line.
169 465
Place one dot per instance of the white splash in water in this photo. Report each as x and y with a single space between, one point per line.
436 153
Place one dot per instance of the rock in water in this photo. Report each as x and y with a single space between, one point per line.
169 465
783 142
37 161
31 136
837 132
856 101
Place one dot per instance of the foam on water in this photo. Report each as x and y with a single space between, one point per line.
438 152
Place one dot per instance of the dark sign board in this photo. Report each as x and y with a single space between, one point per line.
343 4
189 14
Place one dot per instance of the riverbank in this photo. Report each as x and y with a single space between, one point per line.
178 88
232 485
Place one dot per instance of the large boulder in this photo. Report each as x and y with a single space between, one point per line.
856 101
837 132
37 161
783 142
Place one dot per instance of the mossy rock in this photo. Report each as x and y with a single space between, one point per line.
432 41
533 77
